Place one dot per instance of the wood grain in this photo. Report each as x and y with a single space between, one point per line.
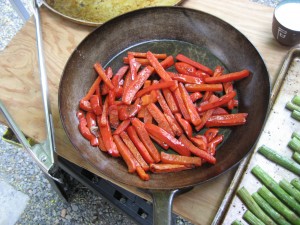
20 85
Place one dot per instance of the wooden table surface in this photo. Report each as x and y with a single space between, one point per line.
20 85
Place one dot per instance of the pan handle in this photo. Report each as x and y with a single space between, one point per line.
162 206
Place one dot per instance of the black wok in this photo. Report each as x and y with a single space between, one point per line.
170 30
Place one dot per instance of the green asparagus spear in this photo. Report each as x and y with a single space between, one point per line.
296 157
276 189
296 115
296 183
296 100
252 219
294 144
237 222
290 189
253 206
296 134
291 106
279 159
278 205
279 219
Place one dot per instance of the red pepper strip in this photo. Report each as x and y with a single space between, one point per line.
186 126
203 87
122 126
168 114
91 121
200 141
197 151
141 113
168 168
119 75
80 114
180 159
158 67
207 114
143 135
160 118
101 143
84 130
126 154
221 101
135 85
105 88
144 55
212 145
159 142
211 133
181 105
95 104
128 111
143 62
92 89
227 120
161 85
113 116
111 97
227 77
195 96
104 116
185 68
134 66
219 111
195 118
142 174
201 74
109 143
164 136
228 87
235 102
167 62
139 145
126 139
170 100
217 72
148 118
199 66
99 69
185 78
85 105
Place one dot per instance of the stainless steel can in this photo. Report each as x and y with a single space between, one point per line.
286 22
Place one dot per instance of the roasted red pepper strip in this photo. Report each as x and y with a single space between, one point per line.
170 100
128 111
159 142
144 55
221 101
135 85
85 105
180 159
139 144
228 87
122 126
134 66
148 118
113 116
101 143
158 67
104 116
212 145
203 87
142 174
80 114
95 104
219 111
227 120
181 105
183 58
200 141
227 77
185 78
167 62
164 136
197 151
91 121
211 133
185 68
162 85
126 154
109 143
93 88
186 126
160 118
99 69
143 135
142 61
195 118
168 168
195 96
84 130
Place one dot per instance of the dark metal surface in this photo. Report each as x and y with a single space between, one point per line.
172 23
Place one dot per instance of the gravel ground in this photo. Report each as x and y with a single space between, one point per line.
18 170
